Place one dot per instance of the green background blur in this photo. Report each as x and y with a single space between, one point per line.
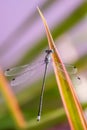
68 24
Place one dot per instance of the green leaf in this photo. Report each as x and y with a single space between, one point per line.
71 103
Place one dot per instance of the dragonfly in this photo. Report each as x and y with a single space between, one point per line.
21 71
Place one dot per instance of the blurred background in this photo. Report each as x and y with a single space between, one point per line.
23 41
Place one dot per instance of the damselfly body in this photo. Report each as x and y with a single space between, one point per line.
22 70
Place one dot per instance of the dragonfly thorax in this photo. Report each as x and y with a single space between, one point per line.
48 57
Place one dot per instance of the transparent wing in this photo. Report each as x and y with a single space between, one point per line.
16 71
25 72
71 69
28 76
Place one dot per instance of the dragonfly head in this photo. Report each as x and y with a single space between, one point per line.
47 57
49 51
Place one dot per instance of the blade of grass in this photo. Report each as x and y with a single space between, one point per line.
71 103
11 102
58 30
55 117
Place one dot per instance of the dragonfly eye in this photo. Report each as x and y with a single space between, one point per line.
49 51
46 51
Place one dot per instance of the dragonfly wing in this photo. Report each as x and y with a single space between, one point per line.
27 77
16 71
72 70
21 78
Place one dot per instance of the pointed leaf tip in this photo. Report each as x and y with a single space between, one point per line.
41 15
71 103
